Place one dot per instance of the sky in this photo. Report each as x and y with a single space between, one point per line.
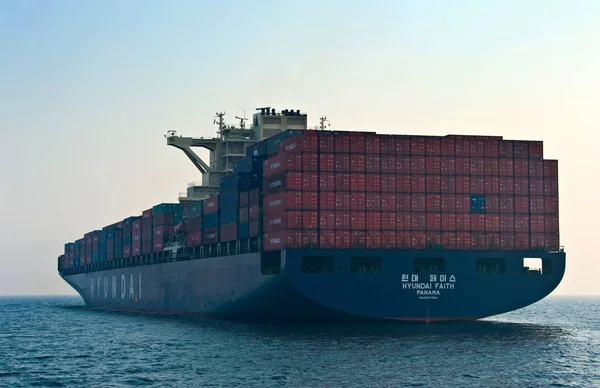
88 89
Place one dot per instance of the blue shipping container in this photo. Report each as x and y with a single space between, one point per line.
250 164
118 254
257 149
77 245
477 203
195 209
102 236
94 257
210 220
101 257
239 181
274 141
163 208
243 230
177 217
229 199
229 215
102 247
126 240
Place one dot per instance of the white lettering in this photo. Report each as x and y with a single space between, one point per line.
442 278
275 240
92 287
415 278
432 278
98 286
290 147
276 221
114 287
275 165
404 277
122 286
105 287
452 278
431 290
140 286
131 287
275 202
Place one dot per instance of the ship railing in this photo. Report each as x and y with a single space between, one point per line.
194 183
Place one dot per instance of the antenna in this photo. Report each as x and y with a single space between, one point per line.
220 121
242 119
323 120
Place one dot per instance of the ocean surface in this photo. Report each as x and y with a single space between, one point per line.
58 342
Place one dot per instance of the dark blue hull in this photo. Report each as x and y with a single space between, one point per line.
329 285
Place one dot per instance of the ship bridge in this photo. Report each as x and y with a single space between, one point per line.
230 146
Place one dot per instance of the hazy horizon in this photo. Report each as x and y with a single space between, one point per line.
89 90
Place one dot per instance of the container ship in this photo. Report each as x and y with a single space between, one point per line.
292 224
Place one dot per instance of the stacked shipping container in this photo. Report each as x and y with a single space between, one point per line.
362 190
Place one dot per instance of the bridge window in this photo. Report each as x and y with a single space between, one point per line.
365 264
317 264
429 264
270 262
490 266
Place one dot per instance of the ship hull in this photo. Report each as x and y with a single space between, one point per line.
395 289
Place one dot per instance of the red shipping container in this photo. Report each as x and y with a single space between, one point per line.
521 149
244 199
136 245
342 220
388 144
463 203
448 184
536 186
477 166
536 168
521 185
492 204
310 162
161 236
403 221
358 239
275 240
433 238
536 205
478 240
447 166
327 181
478 222
434 202
477 147
303 238
279 182
463 222
357 163
388 202
373 182
342 201
388 164
388 239
244 215
326 142
403 240
327 162
448 203
342 163
193 239
279 221
342 142
358 220
211 204
388 220
310 200
373 144
254 197
373 239
419 240
310 181
373 163
507 223
327 239
477 184
357 182
126 252
403 183
434 221
550 187
373 219
299 144
507 241
463 166
433 145
522 241
327 219
403 202
448 146
388 183
229 232
538 223
492 241
403 145
254 229
418 221
492 166
433 165
327 200
552 241
211 236
463 240
536 149
275 165
491 148
418 202
506 149
522 204
342 239
538 241
418 183
417 145
492 185
507 204
403 164
418 164
507 185
521 167
550 168
551 205
506 167
357 143
522 223
449 240
551 223
310 219
492 222
254 212
463 184
448 221
358 201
